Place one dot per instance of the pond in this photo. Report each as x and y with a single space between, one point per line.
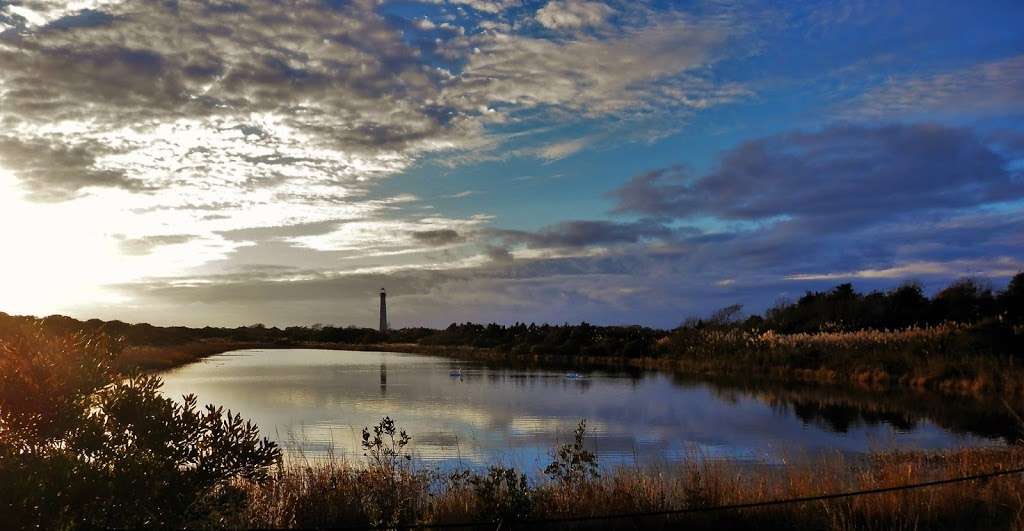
468 414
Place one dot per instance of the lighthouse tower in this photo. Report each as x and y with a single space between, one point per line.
383 311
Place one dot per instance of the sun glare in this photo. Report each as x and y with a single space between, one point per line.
50 264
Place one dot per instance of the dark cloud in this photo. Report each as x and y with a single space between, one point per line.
843 175
284 231
578 234
52 171
267 285
498 255
437 237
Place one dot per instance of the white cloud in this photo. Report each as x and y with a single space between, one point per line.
573 14
1004 266
595 76
560 150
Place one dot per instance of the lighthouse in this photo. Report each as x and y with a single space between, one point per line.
383 311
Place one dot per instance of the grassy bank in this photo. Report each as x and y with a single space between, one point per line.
163 357
947 358
339 494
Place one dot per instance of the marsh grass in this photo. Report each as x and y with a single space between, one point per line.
340 493
950 357
155 358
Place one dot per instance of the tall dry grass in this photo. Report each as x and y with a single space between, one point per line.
949 357
156 358
336 493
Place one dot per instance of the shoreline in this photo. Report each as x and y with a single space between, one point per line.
157 359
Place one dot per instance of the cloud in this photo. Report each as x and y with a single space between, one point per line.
378 237
233 101
145 245
462 194
229 90
1004 266
560 150
53 171
499 255
484 6
437 237
624 74
989 88
647 274
573 14
580 234
840 176
280 232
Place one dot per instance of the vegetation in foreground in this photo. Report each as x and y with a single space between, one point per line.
83 446
329 494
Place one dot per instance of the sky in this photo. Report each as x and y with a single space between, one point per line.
205 162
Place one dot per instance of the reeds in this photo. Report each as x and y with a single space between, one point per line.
338 493
950 357
152 357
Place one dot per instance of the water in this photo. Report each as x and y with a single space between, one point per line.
315 402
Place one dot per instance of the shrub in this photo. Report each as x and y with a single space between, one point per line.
573 464
390 489
84 446
502 495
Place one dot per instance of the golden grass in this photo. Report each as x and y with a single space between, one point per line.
149 357
336 493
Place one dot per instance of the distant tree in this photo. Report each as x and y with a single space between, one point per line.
965 300
906 306
726 316
1011 300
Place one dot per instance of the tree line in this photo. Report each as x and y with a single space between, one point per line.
841 308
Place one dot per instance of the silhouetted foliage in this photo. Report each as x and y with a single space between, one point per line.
503 494
84 446
385 447
573 464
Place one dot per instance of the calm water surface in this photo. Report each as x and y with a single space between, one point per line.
314 403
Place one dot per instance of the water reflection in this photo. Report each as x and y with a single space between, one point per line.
466 414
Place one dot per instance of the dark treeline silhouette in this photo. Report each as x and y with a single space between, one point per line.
998 314
843 308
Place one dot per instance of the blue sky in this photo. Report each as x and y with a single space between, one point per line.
206 162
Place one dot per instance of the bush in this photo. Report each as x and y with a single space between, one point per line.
84 446
573 464
502 494
390 488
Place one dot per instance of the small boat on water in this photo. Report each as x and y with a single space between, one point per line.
456 373
573 376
